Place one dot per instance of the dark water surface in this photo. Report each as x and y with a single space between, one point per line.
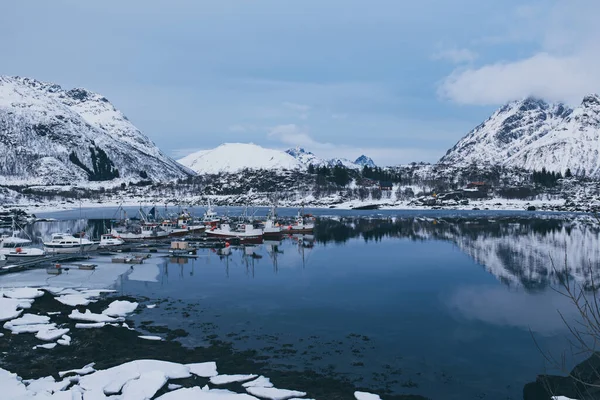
440 306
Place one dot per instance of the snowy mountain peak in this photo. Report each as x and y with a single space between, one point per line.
534 134
365 161
53 136
234 157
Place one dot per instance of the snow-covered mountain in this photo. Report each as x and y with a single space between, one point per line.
533 134
49 135
307 158
234 157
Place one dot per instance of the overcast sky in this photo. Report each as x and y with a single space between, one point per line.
397 80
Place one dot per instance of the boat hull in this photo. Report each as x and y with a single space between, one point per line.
69 249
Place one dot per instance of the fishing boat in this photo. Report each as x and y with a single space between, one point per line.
145 231
300 225
242 231
65 243
271 228
210 217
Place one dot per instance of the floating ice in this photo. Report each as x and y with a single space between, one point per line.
53 312
113 379
156 338
65 340
88 369
225 379
145 387
73 300
48 346
366 396
12 387
29 328
23 293
261 381
120 308
200 394
51 334
96 292
173 386
93 325
29 319
1 334
274 393
151 306
204 370
90 316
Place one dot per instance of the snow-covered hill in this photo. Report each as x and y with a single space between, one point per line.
234 157
533 134
49 135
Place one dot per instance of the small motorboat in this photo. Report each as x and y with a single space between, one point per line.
110 240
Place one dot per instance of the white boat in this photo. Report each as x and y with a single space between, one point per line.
244 231
210 217
13 248
65 243
109 240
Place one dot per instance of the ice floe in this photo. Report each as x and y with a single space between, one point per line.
88 369
23 293
197 393
51 334
48 346
65 340
204 370
120 308
225 379
74 300
145 387
366 396
145 337
173 386
151 306
90 316
92 325
261 381
274 393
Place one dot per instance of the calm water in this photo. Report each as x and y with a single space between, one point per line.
439 306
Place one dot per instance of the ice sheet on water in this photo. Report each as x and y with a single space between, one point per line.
90 316
261 381
145 387
120 308
28 319
200 394
155 338
88 369
73 300
65 340
51 334
366 396
12 387
8 312
23 293
113 379
204 370
225 379
48 346
274 393
93 325
173 386
151 306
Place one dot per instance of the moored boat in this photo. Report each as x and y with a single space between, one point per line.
244 231
65 243
110 240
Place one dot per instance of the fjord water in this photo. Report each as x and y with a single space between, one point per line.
443 307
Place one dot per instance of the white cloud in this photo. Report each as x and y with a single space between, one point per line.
564 66
301 109
293 135
455 55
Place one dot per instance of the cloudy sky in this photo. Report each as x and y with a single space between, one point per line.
397 80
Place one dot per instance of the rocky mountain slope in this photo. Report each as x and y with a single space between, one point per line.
533 134
49 135
234 157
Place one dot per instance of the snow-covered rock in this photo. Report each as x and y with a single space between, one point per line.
49 135
533 134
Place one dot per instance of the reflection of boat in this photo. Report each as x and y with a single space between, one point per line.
108 240
64 243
